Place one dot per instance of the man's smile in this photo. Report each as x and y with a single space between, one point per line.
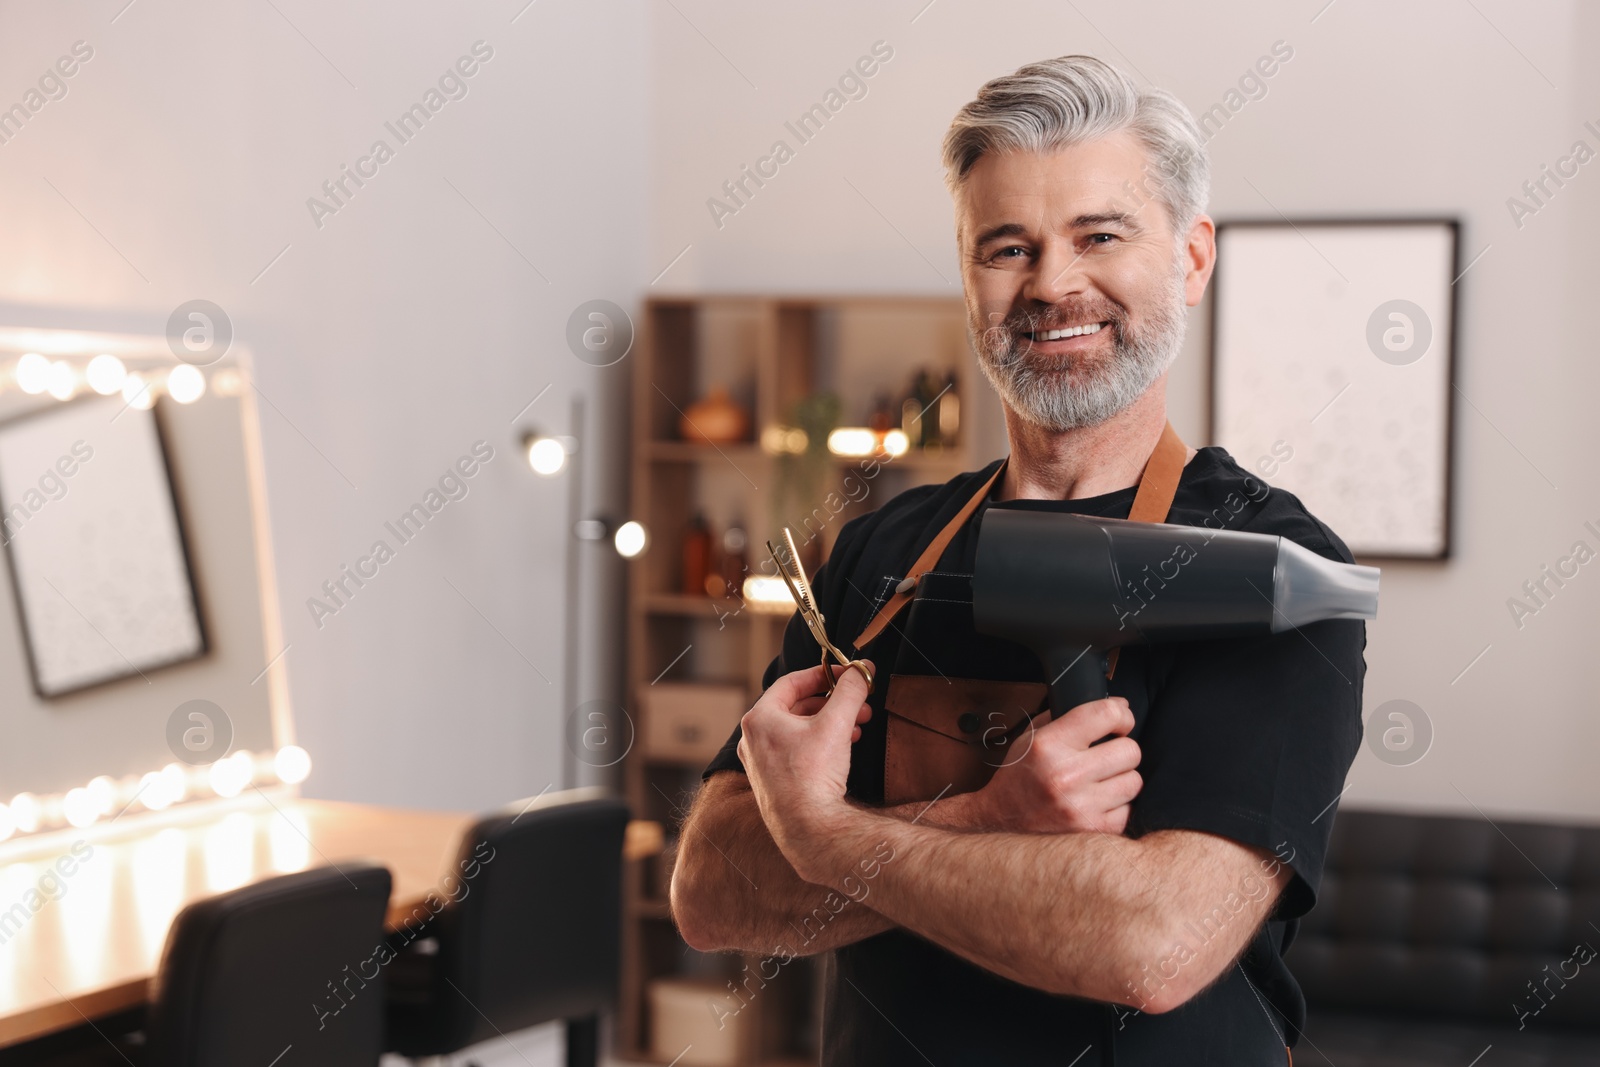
1066 339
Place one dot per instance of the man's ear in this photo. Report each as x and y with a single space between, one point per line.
1199 255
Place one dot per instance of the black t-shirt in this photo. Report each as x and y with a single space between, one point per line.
1247 738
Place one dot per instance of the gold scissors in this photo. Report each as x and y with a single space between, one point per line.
794 576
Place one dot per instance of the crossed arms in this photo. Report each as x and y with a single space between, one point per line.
1030 877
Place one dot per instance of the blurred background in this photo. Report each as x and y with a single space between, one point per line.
435 309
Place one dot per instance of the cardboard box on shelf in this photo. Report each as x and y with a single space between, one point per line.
696 1022
687 722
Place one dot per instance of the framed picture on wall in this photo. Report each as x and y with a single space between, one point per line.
95 544
1332 363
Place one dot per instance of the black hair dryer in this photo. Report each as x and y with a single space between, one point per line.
1071 587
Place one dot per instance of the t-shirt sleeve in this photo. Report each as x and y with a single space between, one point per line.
1251 739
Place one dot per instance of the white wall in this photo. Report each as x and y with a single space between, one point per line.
387 341
407 327
1423 108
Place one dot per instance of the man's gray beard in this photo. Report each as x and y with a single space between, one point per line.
1051 398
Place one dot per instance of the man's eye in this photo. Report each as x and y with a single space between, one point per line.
1011 252
1094 238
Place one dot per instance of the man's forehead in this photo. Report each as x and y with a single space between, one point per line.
1093 183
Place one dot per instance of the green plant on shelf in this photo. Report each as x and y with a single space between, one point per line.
800 476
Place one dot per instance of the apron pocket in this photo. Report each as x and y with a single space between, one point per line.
949 735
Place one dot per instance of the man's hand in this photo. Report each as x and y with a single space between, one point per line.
1064 782
795 747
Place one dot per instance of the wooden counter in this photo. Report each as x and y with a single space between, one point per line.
94 941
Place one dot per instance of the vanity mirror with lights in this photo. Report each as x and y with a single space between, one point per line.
141 658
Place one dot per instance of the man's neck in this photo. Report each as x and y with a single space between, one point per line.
1088 461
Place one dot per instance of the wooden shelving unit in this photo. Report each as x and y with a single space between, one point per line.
769 352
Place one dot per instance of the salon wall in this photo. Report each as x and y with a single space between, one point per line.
425 315
1426 108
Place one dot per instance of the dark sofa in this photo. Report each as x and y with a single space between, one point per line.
1449 940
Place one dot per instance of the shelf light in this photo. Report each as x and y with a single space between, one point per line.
784 440
767 596
852 441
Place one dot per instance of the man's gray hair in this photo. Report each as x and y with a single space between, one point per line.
1060 102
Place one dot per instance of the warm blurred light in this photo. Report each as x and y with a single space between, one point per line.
227 382
174 782
778 440
631 539
136 391
33 373
546 455
25 812
79 807
8 825
292 764
185 383
61 380
106 374
852 441
769 596
231 774
103 791
896 443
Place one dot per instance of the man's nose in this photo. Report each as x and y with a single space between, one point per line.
1058 273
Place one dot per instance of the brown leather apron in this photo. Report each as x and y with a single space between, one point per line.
948 735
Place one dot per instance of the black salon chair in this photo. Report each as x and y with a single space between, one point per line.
285 963
527 932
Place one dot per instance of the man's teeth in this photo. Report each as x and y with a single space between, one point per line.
1076 331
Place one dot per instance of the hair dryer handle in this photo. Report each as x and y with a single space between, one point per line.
1078 676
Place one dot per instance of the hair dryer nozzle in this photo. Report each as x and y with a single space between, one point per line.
1310 588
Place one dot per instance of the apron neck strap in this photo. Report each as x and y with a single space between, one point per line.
1157 486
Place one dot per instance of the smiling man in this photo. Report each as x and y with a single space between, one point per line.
1120 883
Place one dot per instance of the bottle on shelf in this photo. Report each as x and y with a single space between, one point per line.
734 561
696 555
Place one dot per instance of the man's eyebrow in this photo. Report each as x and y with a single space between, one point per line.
1124 219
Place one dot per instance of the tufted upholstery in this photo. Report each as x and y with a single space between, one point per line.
1439 931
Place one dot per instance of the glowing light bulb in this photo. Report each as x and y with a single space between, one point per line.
292 764
174 783
546 456
103 791
105 374
150 792
79 807
631 539
185 383
61 380
852 441
33 373
895 442
136 391
25 812
230 775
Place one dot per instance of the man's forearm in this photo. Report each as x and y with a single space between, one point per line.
1075 914
733 890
